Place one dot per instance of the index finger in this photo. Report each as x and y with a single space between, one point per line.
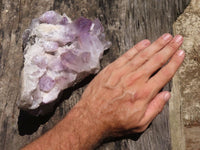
127 56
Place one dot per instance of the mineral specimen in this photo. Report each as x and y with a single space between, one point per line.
58 53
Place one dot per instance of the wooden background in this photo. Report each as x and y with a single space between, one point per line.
126 22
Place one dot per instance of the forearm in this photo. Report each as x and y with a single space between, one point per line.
76 131
122 99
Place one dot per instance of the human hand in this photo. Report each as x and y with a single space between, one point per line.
124 97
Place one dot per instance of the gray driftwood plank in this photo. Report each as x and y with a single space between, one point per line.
126 22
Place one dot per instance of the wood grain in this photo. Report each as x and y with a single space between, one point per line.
126 22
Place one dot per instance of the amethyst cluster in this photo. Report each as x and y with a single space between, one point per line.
58 53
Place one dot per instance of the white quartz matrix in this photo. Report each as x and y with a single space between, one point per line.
58 53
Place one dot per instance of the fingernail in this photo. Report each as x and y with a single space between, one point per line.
146 42
166 36
180 53
167 96
178 38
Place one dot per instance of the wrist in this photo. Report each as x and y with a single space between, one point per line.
86 130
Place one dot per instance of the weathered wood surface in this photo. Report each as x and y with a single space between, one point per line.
185 102
126 22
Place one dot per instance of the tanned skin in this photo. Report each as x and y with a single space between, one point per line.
122 99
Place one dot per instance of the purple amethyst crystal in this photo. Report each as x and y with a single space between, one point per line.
46 83
58 53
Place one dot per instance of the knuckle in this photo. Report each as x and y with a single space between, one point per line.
159 59
167 72
173 45
132 51
144 94
142 124
116 76
127 55
105 74
160 43
141 129
160 108
136 48
147 93
144 55
132 64
113 78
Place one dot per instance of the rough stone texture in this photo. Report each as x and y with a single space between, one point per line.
185 103
126 22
